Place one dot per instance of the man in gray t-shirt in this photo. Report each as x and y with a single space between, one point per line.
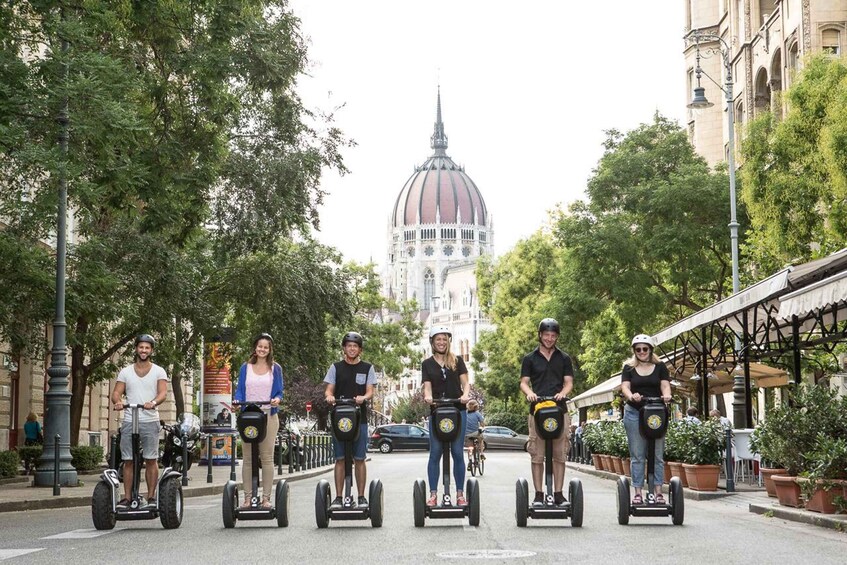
145 383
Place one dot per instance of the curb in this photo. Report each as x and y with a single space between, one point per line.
836 522
687 492
77 500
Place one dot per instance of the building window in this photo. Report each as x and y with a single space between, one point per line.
831 41
429 250
466 251
482 236
448 233
467 235
429 289
793 58
409 235
428 233
448 250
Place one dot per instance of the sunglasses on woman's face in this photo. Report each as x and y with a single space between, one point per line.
641 349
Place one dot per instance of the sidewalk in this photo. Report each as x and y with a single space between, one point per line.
19 495
755 497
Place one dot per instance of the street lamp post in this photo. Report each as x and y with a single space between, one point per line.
699 102
57 400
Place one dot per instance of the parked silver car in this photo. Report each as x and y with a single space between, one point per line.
500 437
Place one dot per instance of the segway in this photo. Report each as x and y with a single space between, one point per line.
653 423
549 425
252 426
345 418
167 507
447 424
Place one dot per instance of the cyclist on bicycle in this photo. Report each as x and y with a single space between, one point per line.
474 431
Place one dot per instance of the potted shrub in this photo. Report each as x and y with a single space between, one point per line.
592 438
766 440
703 456
676 444
828 470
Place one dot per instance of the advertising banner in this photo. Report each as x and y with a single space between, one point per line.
217 398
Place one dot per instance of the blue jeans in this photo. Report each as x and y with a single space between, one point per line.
638 450
436 449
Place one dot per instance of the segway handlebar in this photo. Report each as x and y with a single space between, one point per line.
345 402
131 406
445 401
255 403
653 399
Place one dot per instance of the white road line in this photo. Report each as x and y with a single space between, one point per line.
80 534
10 553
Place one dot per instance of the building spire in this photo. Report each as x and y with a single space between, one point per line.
438 141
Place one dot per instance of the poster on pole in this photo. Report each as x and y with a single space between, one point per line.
217 413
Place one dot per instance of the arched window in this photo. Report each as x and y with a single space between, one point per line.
429 289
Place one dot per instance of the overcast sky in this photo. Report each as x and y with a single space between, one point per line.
527 90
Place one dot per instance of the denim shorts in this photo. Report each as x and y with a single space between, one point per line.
360 446
148 433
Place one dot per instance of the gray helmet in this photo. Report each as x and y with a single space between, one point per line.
354 337
549 325
145 338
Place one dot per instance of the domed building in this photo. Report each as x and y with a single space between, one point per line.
437 230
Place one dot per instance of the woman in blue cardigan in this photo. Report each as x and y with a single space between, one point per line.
260 380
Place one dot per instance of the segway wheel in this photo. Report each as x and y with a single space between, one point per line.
322 504
102 512
170 503
229 504
419 496
623 501
281 504
521 502
375 502
677 502
575 492
472 492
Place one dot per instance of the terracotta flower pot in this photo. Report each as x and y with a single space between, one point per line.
617 465
823 500
676 471
626 467
607 462
668 475
766 476
595 459
787 490
702 477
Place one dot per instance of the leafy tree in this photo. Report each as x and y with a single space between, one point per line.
412 409
182 116
795 169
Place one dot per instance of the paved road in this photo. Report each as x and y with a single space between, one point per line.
714 532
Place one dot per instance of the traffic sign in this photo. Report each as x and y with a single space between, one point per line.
308 407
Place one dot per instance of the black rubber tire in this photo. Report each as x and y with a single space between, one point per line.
575 492
677 501
322 504
481 467
472 492
473 468
102 512
521 502
375 503
281 504
419 500
229 504
171 503
386 447
623 501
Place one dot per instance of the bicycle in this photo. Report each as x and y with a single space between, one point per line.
476 464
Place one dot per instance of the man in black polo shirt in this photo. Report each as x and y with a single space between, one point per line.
547 371
351 378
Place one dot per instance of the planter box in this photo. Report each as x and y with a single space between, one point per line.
787 490
668 475
677 471
766 477
702 477
626 467
617 465
822 500
607 462
595 460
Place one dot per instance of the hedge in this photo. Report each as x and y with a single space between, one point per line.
10 463
86 457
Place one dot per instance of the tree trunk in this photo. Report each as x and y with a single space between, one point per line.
79 382
176 384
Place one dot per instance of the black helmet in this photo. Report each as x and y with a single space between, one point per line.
548 325
262 335
145 338
354 337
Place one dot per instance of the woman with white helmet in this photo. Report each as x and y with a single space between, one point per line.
445 376
644 375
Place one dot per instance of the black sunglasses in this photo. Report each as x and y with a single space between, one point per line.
443 373
641 349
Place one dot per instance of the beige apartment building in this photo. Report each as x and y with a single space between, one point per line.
767 40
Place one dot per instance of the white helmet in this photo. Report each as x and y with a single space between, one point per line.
435 330
642 338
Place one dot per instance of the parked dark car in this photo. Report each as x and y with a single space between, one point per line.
500 437
389 437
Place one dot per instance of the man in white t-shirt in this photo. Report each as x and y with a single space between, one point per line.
145 383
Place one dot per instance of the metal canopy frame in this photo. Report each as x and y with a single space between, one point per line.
704 344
